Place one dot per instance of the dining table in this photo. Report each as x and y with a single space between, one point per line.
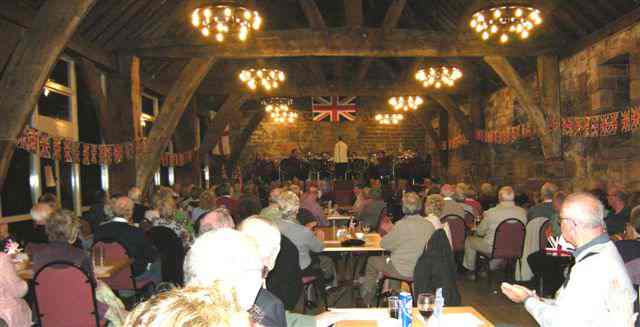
108 269
379 317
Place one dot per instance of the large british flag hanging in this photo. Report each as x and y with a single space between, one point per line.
334 107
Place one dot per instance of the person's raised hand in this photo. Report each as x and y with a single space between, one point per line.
516 293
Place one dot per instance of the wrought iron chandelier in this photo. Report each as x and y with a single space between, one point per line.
279 110
406 103
389 119
438 76
500 21
222 19
268 79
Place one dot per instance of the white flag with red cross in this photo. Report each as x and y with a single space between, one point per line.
223 148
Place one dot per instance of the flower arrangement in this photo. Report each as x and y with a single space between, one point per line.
12 247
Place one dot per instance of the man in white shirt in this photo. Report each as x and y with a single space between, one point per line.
341 158
598 291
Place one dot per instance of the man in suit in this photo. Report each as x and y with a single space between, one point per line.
545 208
451 206
485 234
119 229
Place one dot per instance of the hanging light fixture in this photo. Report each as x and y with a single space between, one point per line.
389 119
279 110
502 21
405 103
268 79
438 76
222 19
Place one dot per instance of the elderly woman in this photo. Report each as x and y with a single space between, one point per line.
207 203
62 228
433 206
167 209
488 198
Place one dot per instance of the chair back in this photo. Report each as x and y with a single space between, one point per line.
469 219
123 279
545 231
458 230
633 269
172 253
65 296
509 239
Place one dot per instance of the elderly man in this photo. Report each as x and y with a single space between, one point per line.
309 201
598 291
620 212
406 242
485 234
214 220
121 230
451 206
272 211
545 208
370 214
40 213
135 194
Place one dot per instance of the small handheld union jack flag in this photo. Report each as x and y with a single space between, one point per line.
333 107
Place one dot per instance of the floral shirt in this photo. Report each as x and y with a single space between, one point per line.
177 227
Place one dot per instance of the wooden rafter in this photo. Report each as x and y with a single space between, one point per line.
29 67
226 113
454 110
313 14
238 145
354 13
364 42
172 109
551 146
120 22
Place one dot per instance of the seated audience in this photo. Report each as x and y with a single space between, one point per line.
248 202
372 208
62 228
223 194
97 214
433 206
206 203
361 198
193 306
629 248
121 230
167 218
272 211
484 236
469 194
544 208
406 242
598 291
139 209
238 267
40 213
487 198
214 220
309 201
13 309
451 206
619 214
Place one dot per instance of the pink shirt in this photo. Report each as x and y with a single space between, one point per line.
13 309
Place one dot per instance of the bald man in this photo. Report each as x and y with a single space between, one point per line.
598 291
121 230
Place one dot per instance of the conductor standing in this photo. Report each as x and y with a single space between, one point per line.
340 158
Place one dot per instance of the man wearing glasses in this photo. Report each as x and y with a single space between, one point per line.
597 291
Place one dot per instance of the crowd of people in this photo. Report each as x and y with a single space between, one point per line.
246 250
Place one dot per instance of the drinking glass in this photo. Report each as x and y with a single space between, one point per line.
426 305
394 306
98 256
366 228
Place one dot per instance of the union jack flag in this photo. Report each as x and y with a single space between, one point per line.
333 107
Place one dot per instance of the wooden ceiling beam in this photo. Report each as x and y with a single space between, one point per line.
117 26
137 24
241 141
229 109
313 14
106 21
551 146
354 13
342 43
172 109
454 110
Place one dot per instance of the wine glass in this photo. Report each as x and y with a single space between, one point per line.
426 305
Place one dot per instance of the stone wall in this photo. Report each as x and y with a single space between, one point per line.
601 78
363 136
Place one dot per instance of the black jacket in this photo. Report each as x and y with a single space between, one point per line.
268 310
436 268
133 240
285 280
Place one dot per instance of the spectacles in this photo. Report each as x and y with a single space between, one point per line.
569 219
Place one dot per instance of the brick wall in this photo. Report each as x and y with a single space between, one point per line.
601 78
363 136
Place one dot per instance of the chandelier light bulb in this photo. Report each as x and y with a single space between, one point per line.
267 79
224 19
437 77
504 20
410 103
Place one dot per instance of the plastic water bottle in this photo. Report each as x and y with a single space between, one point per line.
439 302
